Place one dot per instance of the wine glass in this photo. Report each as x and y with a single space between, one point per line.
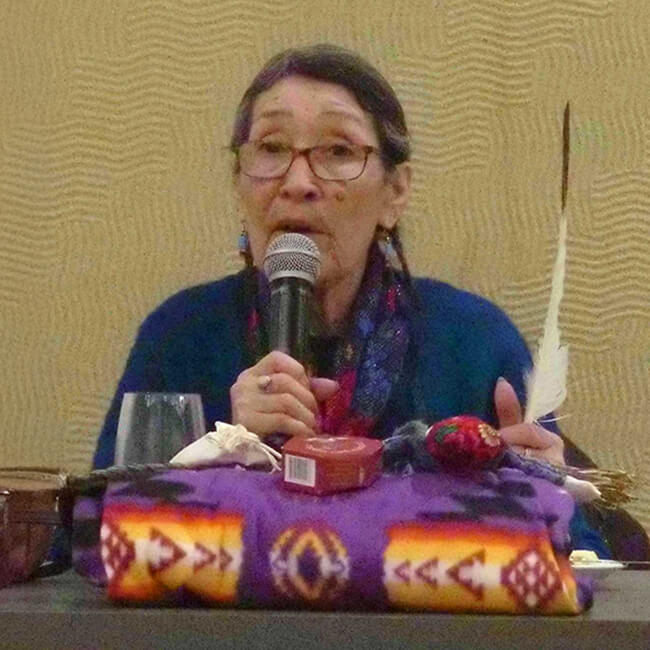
154 427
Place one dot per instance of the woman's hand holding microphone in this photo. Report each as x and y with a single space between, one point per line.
276 395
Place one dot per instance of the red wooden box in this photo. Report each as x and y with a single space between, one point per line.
324 464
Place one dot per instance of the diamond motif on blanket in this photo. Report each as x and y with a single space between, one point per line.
163 552
117 550
310 563
531 579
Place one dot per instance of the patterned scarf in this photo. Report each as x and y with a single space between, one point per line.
367 360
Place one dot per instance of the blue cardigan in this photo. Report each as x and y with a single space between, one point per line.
460 344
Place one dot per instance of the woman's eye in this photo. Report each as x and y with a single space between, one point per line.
271 147
340 150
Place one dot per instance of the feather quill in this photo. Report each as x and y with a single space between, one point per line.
546 382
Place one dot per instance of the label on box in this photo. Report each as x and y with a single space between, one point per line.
299 470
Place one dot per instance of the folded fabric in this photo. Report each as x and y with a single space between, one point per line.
489 542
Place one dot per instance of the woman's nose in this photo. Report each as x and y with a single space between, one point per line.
299 183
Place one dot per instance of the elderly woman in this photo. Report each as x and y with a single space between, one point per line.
322 149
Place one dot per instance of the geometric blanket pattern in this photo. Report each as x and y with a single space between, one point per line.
149 552
475 568
493 541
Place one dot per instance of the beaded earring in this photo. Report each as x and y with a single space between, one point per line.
390 244
385 241
244 246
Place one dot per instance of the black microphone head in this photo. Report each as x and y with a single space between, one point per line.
292 255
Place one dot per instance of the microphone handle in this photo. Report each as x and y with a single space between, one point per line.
289 329
290 318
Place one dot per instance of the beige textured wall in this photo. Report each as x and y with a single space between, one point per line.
114 187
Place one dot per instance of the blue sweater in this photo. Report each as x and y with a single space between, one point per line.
460 344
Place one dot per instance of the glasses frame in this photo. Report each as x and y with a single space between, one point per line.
306 152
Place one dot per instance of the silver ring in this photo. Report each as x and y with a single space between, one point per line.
528 452
264 382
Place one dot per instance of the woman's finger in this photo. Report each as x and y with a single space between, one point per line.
532 441
528 435
279 362
506 404
323 388
264 424
287 404
279 383
246 407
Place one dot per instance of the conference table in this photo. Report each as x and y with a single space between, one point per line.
66 611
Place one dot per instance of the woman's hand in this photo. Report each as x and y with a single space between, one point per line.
275 395
527 439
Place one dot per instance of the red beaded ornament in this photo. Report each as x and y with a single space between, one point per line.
464 442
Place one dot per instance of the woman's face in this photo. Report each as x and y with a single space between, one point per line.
340 216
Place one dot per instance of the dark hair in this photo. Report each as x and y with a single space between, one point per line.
334 64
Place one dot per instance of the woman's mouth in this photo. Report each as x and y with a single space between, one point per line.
297 228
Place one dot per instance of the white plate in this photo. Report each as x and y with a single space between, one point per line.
596 570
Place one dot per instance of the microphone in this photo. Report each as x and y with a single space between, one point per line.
292 265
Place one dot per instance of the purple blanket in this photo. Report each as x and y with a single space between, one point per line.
489 542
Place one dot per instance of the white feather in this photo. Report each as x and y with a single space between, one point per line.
546 382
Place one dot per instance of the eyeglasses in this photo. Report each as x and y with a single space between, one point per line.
329 162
